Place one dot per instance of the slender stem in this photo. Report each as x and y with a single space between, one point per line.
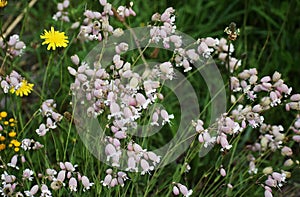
45 76
2 65
229 73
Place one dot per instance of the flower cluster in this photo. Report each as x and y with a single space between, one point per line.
113 179
296 129
62 14
14 47
178 188
8 133
52 118
30 144
68 177
248 83
16 84
96 25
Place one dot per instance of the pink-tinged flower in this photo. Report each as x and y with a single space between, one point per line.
45 191
73 184
26 144
116 160
192 55
113 182
86 183
107 180
50 123
222 172
27 174
205 138
166 117
296 138
42 130
51 173
37 145
137 148
252 167
114 110
131 163
152 156
69 174
265 79
62 166
222 139
184 190
146 167
186 65
279 177
61 176
295 97
56 117
75 59
154 119
13 162
141 100
7 178
268 192
271 182
122 47
122 177
175 190
120 135
110 151
199 126
167 69
70 167
286 151
23 160
32 191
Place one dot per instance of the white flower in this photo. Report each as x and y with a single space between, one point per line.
27 174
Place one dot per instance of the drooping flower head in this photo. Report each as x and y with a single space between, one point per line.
54 39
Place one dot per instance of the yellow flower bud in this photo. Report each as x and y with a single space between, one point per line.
12 134
3 114
2 147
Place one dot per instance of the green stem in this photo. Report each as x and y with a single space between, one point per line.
45 76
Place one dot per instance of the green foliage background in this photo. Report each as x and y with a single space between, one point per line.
269 40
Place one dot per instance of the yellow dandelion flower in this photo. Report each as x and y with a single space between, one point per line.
12 134
5 122
11 120
2 147
2 138
17 149
3 114
54 39
15 143
3 3
12 124
24 88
